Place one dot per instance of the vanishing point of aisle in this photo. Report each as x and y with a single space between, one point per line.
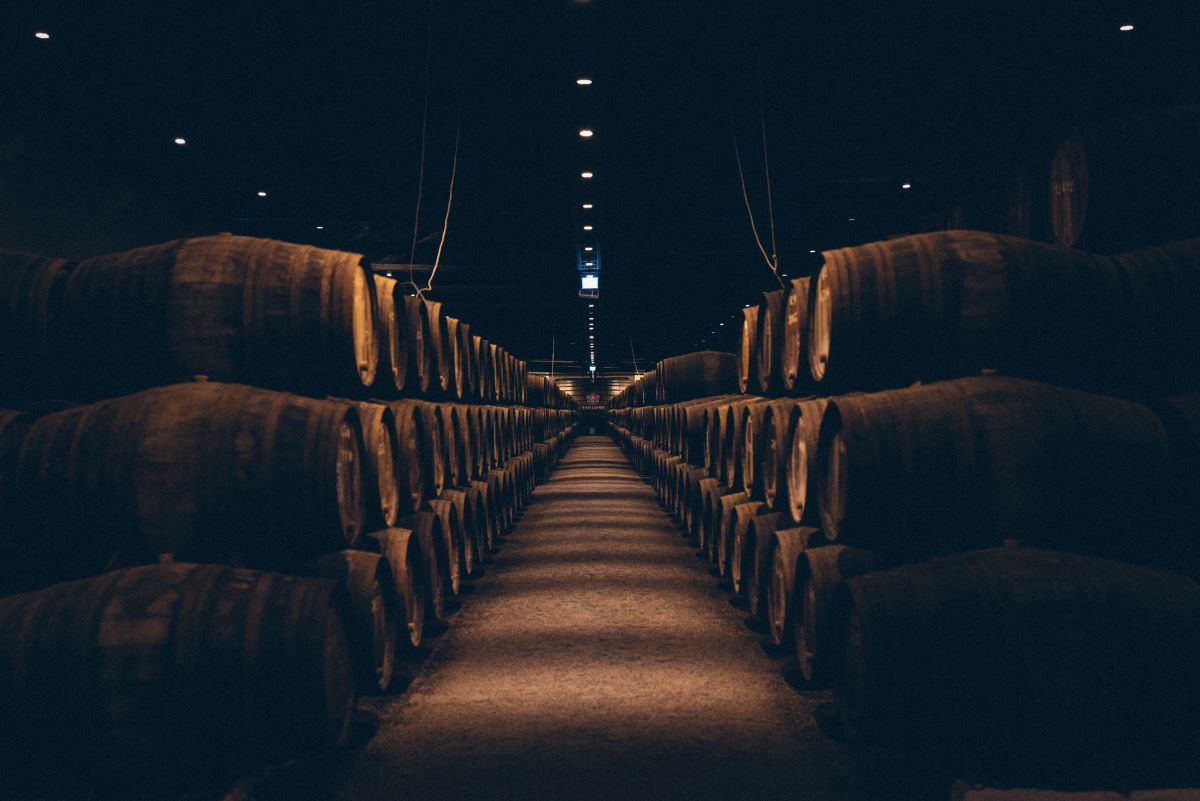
598 659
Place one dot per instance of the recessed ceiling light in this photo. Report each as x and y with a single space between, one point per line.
586 174
322 228
179 140
586 133
42 35
584 81
1127 27
906 186
587 227
262 194
589 249
587 205
812 251
851 219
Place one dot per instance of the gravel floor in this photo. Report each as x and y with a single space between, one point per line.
598 659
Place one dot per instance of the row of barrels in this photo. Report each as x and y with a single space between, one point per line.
244 610
793 499
246 310
957 303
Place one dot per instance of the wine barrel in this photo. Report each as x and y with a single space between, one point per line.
154 672
202 471
391 374
748 350
711 509
234 308
741 546
452 537
697 375
757 458
457 385
818 573
1128 183
480 495
466 351
433 447
1026 206
700 492
443 348
786 545
956 302
757 545
793 351
722 525
471 551
31 353
408 573
422 364
768 344
410 461
452 450
381 465
373 613
969 463
799 463
734 441
1051 664
427 527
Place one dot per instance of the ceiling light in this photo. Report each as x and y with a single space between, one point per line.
262 194
906 186
587 227
179 140
586 133
589 249
722 323
42 35
587 205
1123 27
585 174
322 228
851 219
584 81
812 251
591 305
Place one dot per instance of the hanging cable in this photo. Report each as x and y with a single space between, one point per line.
771 264
636 371
412 256
446 221
762 118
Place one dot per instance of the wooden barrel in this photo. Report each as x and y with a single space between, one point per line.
786 545
699 491
1060 665
697 375
748 350
391 374
410 464
427 527
793 351
234 308
499 378
31 290
741 545
1127 183
970 463
495 482
480 495
158 671
452 449
479 456
452 538
381 453
711 509
404 557
202 471
756 574
487 369
717 545
1025 210
466 352
471 551
797 496
818 573
422 364
456 391
734 441
768 344
956 302
433 447
443 348
372 616
757 421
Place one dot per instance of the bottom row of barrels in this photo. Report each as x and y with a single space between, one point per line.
170 672
1009 664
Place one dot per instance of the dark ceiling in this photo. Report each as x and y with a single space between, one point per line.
321 106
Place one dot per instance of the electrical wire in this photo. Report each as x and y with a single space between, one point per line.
771 264
446 221
412 256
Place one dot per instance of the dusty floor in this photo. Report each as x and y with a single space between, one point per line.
598 659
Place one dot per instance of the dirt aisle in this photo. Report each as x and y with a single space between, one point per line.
597 659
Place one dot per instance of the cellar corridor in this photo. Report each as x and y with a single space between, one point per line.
598 659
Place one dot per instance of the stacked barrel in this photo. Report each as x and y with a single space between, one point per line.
275 475
955 477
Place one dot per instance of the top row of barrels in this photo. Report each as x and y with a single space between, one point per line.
956 303
244 310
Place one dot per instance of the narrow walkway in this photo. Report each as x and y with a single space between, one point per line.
598 659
